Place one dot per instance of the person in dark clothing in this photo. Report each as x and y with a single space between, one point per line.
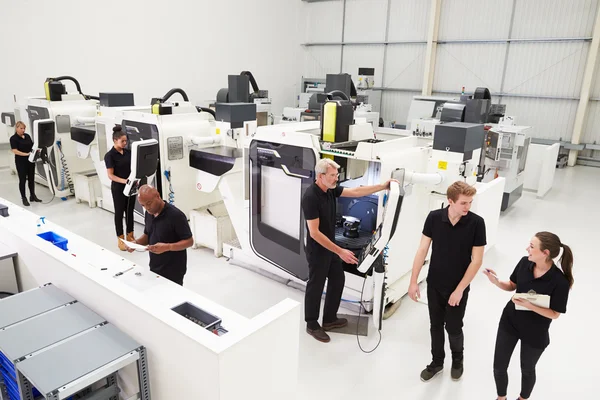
534 273
323 255
167 234
458 238
21 145
118 167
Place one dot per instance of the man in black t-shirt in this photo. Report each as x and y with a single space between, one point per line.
167 234
458 238
323 255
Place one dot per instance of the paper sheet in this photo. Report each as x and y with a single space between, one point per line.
540 300
134 246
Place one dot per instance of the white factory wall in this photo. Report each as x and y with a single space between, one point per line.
544 69
591 128
365 21
148 46
542 80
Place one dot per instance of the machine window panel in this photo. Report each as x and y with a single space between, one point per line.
280 205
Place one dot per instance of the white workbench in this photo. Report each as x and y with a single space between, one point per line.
257 358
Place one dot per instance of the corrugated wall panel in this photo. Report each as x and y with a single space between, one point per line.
324 21
475 19
404 66
409 20
591 130
395 106
549 118
369 56
548 69
596 81
365 20
321 60
554 18
470 65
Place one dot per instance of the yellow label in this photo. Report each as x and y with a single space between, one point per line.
443 165
218 131
330 156
329 119
47 90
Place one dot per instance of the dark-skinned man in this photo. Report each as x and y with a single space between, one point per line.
167 235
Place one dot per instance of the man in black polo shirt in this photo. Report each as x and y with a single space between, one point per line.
323 255
167 234
458 238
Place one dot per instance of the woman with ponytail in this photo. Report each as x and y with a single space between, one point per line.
118 167
534 273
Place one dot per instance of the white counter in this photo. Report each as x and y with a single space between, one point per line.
258 357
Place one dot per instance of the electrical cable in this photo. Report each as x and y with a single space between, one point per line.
358 322
51 191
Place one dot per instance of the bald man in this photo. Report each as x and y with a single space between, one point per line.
167 234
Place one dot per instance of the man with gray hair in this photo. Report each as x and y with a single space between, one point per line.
323 255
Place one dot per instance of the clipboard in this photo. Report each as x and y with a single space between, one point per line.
540 300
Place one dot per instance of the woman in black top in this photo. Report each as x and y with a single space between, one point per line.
535 274
118 166
21 145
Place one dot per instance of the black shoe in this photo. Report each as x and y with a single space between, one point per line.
25 202
338 323
318 334
430 372
34 198
456 371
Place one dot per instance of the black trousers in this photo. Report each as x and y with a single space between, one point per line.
442 315
26 172
123 205
505 345
331 270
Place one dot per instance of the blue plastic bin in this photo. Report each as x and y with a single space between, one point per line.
55 239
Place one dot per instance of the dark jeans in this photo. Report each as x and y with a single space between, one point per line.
332 270
26 171
123 205
505 345
441 315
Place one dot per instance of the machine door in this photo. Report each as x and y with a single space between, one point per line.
137 131
279 176
35 113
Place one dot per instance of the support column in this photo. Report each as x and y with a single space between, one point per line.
432 37
586 86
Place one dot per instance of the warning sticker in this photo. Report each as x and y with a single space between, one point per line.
443 165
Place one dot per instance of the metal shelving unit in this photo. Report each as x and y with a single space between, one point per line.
51 342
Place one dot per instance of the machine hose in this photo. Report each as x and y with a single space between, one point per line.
77 85
64 173
171 92
339 93
208 110
251 79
